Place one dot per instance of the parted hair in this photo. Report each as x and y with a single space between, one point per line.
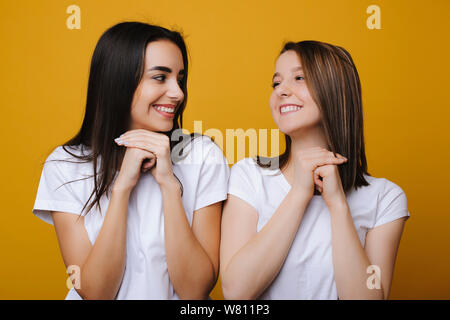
334 85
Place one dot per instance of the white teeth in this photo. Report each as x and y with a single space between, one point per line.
289 108
164 109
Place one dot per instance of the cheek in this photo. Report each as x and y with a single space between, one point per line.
272 104
303 94
148 94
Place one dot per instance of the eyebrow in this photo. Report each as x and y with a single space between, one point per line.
165 69
299 68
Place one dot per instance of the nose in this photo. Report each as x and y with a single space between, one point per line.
174 91
283 90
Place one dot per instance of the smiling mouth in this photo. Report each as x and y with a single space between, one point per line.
290 108
166 110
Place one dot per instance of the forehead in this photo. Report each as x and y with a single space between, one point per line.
163 53
287 61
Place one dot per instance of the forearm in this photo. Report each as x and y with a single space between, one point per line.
103 269
349 258
190 269
252 269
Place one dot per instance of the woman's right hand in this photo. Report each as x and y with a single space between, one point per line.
305 163
134 162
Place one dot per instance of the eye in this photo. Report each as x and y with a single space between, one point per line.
299 78
180 82
275 84
160 77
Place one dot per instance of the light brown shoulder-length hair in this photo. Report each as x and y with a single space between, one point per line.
334 85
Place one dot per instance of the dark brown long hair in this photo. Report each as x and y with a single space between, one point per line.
117 66
334 85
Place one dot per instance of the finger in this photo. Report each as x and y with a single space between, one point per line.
143 134
149 164
341 156
317 180
147 145
157 147
327 160
336 155
150 160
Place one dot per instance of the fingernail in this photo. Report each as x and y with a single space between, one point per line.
117 140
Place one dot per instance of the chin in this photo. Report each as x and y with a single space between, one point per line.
163 129
157 128
290 129
296 131
166 128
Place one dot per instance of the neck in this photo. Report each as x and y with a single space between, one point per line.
312 137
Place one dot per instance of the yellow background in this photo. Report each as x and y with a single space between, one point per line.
404 69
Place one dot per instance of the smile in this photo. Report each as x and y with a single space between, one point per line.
165 110
289 108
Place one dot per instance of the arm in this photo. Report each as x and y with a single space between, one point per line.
381 247
351 260
251 260
102 264
192 253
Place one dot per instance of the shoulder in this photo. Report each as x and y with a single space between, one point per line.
383 186
66 160
251 166
246 164
389 198
384 192
249 170
68 152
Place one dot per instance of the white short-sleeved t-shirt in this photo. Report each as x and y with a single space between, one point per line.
204 174
307 272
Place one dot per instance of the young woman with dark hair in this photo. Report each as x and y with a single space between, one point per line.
162 190
312 223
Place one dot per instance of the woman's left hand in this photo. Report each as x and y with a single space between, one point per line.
330 186
156 143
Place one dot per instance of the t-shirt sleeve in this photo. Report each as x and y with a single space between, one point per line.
241 184
53 194
213 177
392 204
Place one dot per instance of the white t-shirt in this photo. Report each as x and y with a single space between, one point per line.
307 272
204 173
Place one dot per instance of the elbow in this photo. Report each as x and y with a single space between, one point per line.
234 294
197 287
233 290
192 292
88 290
92 294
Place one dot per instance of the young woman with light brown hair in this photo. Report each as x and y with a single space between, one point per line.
312 223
